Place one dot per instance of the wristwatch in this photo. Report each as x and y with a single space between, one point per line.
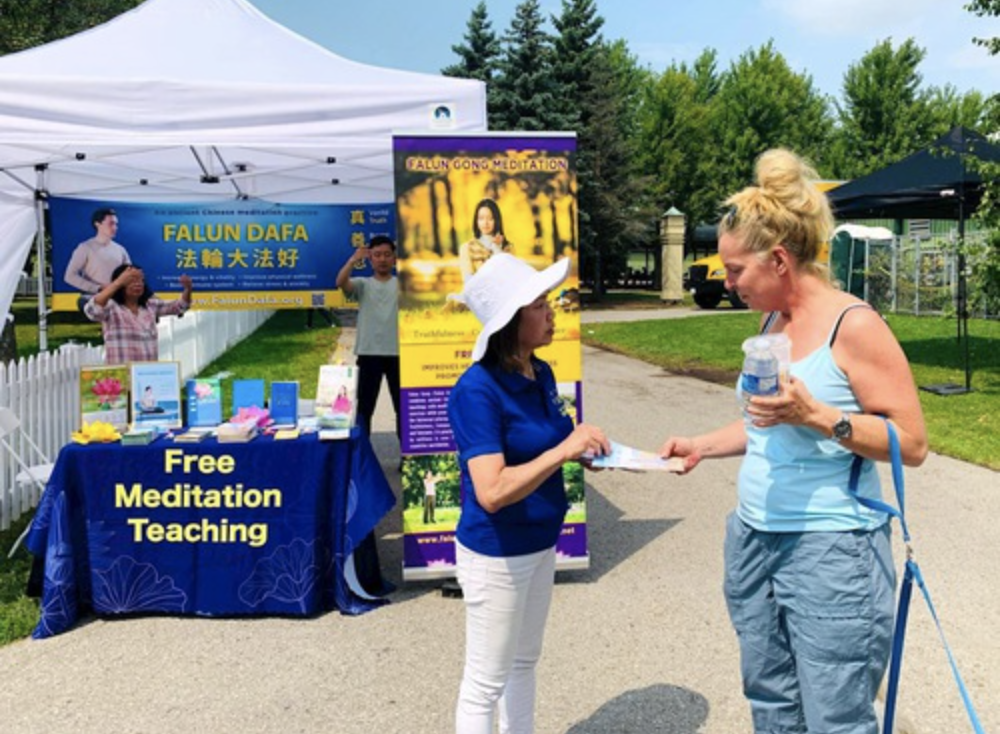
842 429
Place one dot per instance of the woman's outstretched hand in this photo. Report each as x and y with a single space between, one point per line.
682 448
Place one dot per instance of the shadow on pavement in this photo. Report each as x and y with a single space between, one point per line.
612 539
661 708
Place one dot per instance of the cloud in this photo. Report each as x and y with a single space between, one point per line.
974 57
851 17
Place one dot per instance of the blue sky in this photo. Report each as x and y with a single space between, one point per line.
820 37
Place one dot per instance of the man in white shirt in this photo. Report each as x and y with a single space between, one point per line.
94 260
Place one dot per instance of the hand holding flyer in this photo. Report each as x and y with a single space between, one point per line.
626 457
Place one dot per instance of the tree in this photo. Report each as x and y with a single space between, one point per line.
885 115
479 56
762 104
576 46
525 89
950 108
613 217
674 139
28 23
987 268
991 9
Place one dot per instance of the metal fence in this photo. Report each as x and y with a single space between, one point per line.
917 276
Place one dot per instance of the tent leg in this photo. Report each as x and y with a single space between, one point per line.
962 308
40 193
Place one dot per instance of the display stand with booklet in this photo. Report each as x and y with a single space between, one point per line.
336 396
248 394
284 406
204 401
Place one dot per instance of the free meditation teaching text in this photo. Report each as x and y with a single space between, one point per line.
185 495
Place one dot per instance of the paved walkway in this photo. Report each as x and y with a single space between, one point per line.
639 644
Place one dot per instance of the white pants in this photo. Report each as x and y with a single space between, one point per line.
506 605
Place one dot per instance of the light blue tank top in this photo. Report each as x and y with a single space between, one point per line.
795 480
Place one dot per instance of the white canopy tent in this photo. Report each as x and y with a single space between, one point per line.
202 100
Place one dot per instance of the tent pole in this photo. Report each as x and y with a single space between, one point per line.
40 192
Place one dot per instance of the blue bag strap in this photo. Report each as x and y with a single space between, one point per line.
911 573
896 457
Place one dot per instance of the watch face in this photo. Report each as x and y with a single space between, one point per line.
842 428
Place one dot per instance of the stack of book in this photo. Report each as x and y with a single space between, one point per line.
236 432
194 435
138 437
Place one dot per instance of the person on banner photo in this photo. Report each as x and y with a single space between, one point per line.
342 403
431 481
809 576
147 403
128 310
488 238
93 261
513 436
376 343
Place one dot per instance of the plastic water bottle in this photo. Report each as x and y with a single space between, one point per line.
761 370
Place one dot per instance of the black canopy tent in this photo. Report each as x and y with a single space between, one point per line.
937 182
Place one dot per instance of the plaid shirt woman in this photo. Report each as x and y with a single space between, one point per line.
128 312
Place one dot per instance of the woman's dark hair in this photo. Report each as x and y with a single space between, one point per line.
497 219
119 295
502 346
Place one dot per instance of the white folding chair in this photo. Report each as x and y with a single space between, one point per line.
36 474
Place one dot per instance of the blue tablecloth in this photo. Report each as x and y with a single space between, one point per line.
265 527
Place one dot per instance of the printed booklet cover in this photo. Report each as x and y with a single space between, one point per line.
336 396
248 394
204 402
284 405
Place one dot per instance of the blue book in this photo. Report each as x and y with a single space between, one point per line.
285 403
248 394
204 402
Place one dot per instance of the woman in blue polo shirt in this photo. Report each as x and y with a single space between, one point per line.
513 438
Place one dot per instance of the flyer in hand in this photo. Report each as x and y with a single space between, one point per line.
626 457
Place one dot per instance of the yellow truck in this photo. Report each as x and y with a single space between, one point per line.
705 279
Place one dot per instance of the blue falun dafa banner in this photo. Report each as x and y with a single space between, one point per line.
240 255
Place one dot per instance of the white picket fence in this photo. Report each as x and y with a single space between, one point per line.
43 390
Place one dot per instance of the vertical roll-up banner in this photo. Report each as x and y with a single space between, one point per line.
459 199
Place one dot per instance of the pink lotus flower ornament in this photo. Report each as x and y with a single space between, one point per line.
260 416
107 390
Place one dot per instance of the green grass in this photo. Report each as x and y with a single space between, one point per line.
61 327
281 349
966 427
18 613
